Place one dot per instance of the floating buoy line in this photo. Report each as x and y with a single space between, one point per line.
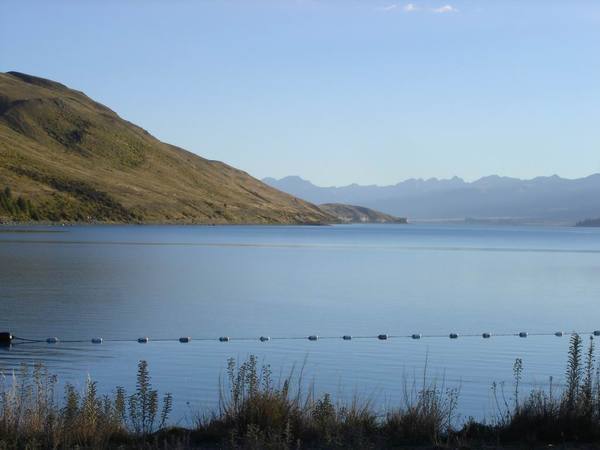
6 338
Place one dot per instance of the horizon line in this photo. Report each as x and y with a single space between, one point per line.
455 177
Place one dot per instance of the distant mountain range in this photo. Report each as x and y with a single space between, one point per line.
589 223
494 198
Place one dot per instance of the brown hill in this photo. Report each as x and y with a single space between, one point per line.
69 158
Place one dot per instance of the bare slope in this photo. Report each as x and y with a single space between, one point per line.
74 159
359 214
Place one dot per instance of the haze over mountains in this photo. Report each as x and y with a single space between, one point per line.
493 198
359 214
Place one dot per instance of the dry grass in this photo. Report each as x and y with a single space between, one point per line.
32 417
257 413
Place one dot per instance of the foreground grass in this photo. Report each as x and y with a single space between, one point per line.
257 413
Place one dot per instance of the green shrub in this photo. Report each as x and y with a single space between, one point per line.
17 208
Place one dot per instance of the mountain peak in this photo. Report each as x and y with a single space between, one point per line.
294 181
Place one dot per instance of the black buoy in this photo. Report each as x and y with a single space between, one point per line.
453 335
5 338
382 337
347 337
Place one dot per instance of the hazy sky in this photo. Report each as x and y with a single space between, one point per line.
337 91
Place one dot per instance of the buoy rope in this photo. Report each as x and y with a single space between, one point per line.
454 336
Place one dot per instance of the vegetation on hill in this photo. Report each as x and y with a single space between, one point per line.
17 207
74 159
359 214
258 413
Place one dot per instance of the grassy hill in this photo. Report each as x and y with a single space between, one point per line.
359 214
65 157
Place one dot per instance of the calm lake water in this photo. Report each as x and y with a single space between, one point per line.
123 282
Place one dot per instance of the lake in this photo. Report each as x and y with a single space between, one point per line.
124 282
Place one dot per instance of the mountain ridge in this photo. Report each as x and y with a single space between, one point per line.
453 179
545 199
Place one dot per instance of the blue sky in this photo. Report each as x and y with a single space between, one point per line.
338 91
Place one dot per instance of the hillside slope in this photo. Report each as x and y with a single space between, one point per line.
359 214
71 159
